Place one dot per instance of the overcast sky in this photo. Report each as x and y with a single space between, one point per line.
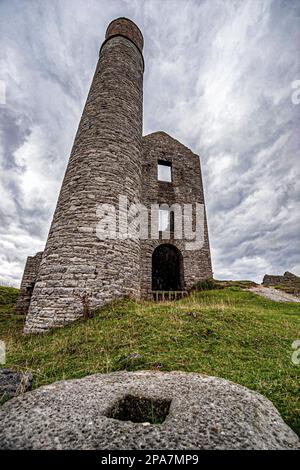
218 78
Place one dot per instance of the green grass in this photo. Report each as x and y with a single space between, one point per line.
228 333
8 296
9 322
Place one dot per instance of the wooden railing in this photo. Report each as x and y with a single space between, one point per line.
161 295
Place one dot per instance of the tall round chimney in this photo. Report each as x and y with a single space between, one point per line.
80 272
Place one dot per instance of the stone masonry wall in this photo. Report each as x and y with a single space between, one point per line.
125 27
28 282
271 280
77 267
186 187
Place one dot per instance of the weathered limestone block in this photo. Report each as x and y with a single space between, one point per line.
144 410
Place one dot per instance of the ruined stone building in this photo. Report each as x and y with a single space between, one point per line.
110 158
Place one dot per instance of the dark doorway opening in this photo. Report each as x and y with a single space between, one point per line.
167 268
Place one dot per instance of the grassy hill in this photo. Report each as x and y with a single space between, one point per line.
225 332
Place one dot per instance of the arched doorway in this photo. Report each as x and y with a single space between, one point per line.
167 268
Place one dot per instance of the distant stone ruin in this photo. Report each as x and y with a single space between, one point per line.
270 280
288 282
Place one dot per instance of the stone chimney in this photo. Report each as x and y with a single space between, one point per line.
78 271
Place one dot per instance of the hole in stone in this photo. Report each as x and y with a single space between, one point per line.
140 409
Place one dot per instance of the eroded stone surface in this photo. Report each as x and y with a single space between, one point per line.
204 413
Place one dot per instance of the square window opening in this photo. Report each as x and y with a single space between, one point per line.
164 171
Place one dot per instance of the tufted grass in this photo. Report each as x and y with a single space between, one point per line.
228 333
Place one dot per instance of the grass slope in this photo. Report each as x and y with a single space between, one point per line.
228 333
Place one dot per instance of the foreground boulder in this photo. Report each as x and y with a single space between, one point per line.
143 410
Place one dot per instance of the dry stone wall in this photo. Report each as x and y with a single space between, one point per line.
28 282
271 280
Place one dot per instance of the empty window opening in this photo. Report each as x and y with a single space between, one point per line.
164 171
166 220
140 409
167 268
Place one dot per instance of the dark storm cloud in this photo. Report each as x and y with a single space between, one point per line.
218 77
